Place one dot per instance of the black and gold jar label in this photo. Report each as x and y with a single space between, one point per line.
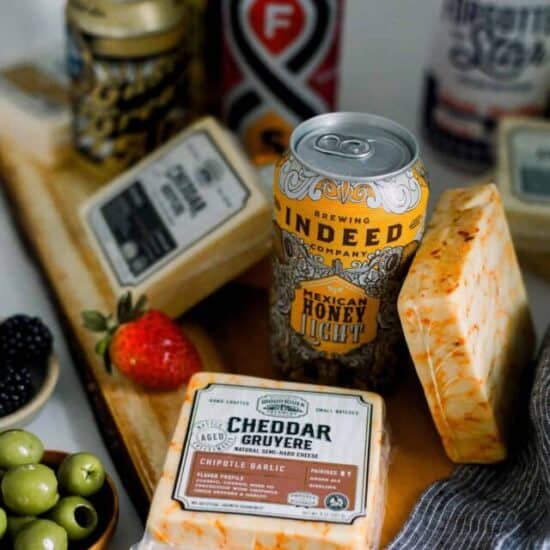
124 107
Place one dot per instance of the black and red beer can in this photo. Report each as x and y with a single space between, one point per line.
280 66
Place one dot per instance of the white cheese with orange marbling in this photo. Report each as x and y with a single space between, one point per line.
466 319
256 464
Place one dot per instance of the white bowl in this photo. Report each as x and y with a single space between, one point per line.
47 383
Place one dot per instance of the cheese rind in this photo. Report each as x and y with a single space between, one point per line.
35 108
182 222
464 312
221 491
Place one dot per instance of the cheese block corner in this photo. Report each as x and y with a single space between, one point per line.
256 464
35 106
466 319
522 175
182 222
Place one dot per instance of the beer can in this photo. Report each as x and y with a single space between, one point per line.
350 199
281 64
487 60
127 66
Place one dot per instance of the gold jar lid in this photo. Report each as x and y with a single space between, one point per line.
125 19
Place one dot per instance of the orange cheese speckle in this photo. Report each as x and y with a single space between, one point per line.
223 531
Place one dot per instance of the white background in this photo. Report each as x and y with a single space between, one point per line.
385 44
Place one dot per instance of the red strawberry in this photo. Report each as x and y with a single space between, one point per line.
146 346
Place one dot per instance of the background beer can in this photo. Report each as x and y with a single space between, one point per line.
204 44
128 71
350 201
281 63
487 60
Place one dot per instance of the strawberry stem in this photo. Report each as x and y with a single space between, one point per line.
97 322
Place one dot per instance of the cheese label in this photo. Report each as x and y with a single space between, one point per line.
529 150
166 208
39 86
277 453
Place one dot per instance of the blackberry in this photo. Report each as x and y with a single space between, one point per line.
16 387
25 338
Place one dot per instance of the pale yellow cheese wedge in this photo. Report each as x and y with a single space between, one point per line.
522 176
256 464
465 315
34 106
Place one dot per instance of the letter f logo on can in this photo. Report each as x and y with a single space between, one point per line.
277 16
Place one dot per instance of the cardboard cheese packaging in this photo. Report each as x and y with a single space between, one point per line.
182 222
465 316
524 180
35 108
257 464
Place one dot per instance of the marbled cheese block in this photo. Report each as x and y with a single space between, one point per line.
466 319
333 501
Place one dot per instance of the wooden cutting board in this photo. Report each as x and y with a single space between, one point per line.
136 423
538 263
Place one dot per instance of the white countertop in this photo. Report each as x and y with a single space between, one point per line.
384 48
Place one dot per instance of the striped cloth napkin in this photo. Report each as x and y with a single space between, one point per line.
505 506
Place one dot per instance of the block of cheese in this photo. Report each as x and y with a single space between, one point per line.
34 106
523 178
183 221
466 319
256 464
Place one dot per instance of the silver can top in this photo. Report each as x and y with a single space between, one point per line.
353 146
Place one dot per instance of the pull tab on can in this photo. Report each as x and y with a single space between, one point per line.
344 146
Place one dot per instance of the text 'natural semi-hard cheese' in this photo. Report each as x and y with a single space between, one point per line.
258 464
182 222
465 315
34 106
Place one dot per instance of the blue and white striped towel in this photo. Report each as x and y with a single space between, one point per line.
504 507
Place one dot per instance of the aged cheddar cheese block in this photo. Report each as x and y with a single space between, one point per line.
524 180
465 315
34 106
256 464
183 221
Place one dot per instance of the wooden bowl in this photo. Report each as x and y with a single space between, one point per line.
45 381
105 502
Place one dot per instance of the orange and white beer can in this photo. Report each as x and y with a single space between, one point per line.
350 201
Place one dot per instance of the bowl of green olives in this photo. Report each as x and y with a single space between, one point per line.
53 499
